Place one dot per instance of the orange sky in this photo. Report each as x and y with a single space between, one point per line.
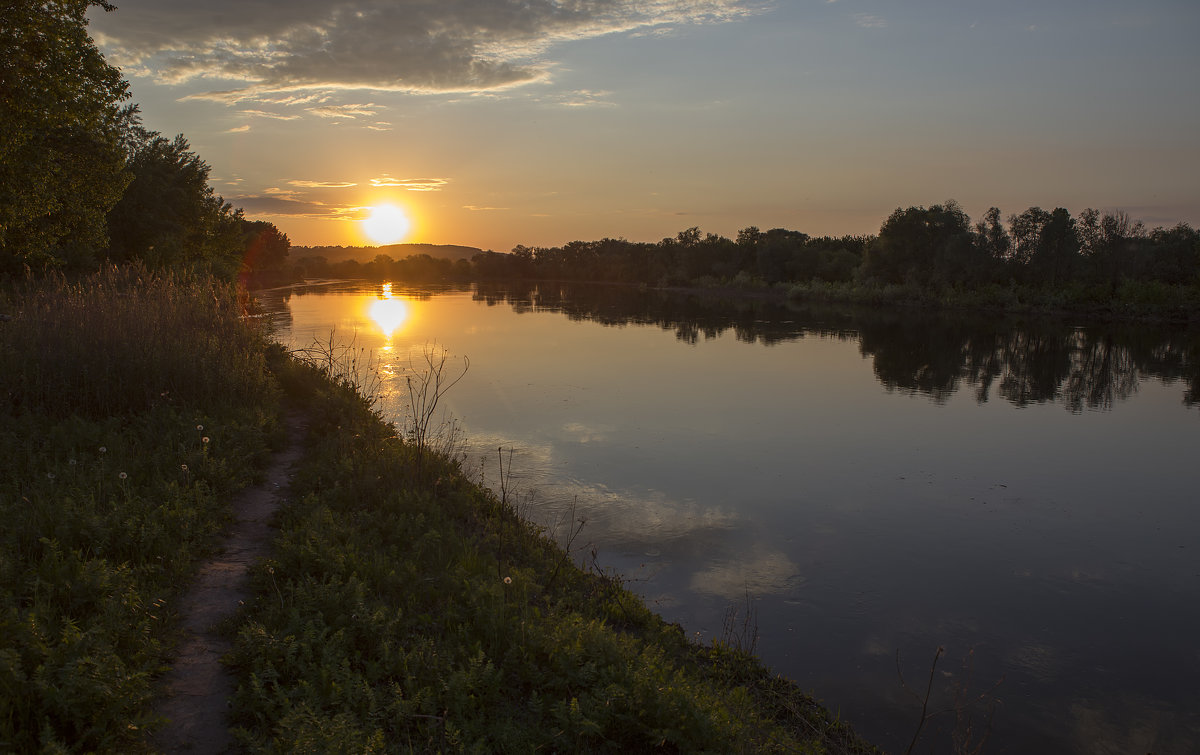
503 124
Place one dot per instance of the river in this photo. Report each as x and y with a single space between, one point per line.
868 486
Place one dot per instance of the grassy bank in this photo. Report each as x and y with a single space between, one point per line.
404 608
134 405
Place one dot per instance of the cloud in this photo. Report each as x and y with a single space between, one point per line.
263 50
265 114
476 208
322 184
412 184
239 129
342 111
290 204
586 98
869 21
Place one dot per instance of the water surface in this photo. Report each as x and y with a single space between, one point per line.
1022 494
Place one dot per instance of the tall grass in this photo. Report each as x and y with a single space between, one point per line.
134 405
125 340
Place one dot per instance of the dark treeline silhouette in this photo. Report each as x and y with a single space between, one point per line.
1038 259
1045 361
1095 258
83 183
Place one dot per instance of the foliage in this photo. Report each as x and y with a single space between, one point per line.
266 246
125 340
61 125
170 216
122 437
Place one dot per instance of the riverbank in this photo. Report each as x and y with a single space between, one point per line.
403 607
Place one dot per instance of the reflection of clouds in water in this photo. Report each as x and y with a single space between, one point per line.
766 574
1131 723
578 432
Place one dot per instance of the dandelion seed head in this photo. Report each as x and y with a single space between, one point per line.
49 475
204 439
122 475
199 428
508 580
183 467
71 462
103 450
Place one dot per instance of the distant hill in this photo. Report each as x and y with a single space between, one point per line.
395 251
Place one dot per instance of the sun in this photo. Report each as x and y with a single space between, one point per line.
387 224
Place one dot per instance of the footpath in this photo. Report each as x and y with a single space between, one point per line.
197 689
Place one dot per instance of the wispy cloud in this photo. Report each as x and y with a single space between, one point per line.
239 129
412 184
870 21
586 98
322 184
477 208
265 204
388 45
343 111
265 114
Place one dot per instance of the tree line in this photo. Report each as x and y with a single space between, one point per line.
82 182
934 247
934 253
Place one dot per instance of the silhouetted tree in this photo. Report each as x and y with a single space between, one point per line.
266 247
61 126
922 246
169 215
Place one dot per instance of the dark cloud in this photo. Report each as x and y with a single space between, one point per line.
292 206
267 48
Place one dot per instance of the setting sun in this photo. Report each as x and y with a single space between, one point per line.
387 224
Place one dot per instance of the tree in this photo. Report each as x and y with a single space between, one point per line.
1045 244
266 246
991 237
923 246
169 215
61 124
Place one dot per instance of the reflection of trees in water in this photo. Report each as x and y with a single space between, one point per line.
933 354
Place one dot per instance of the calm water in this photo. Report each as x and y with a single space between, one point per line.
1022 494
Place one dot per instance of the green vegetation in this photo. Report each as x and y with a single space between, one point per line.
123 435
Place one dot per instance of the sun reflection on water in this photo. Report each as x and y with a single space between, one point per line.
388 313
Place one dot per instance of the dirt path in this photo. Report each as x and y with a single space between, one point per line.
197 688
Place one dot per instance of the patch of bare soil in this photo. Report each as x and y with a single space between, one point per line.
197 688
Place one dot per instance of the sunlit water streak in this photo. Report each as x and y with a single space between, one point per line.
876 484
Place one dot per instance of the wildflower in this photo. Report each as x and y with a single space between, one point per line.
122 475
103 450
508 580
183 467
204 439
199 428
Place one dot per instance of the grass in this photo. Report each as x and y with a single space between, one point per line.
404 608
135 404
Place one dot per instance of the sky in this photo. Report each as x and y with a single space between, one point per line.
493 123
